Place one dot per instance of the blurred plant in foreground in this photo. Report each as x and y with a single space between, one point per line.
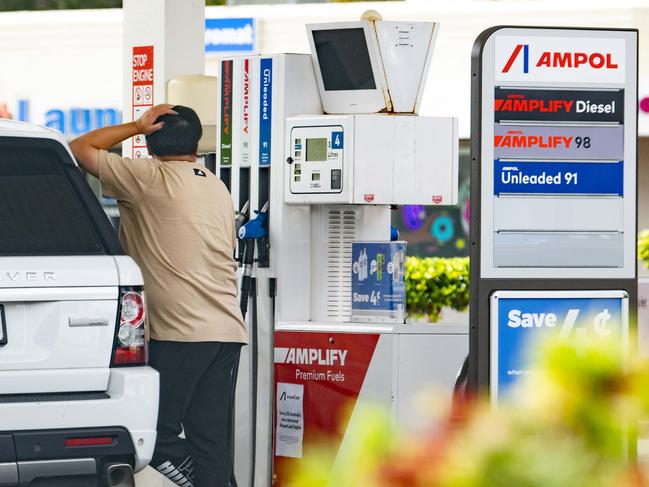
566 426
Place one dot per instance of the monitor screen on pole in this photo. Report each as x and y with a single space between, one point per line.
344 59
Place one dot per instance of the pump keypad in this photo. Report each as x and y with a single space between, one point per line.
318 153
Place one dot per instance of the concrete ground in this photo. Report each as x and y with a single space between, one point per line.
151 478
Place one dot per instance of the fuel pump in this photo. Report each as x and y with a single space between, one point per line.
325 145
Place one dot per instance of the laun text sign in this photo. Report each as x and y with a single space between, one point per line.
556 59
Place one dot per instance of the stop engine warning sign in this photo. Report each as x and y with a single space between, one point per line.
142 83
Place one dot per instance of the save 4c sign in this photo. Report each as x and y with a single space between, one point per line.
553 187
521 320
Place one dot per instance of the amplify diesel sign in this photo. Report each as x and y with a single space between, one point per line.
564 105
556 59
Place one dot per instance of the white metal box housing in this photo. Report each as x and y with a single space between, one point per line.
371 159
371 67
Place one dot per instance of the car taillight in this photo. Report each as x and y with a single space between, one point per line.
130 344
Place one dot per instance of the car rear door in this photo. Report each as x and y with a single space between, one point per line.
58 279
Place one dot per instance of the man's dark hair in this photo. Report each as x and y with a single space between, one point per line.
178 136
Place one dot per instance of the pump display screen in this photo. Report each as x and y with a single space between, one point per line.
316 150
344 59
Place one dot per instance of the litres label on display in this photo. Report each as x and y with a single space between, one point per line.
560 59
558 142
558 105
590 178
522 324
378 280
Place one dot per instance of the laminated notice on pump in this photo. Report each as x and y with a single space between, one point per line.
290 420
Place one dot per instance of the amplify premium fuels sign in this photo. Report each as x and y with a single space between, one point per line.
565 105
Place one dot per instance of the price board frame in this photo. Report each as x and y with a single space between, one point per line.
542 72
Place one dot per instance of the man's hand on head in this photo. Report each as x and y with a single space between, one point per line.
146 124
86 148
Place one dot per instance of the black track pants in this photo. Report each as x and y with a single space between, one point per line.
196 389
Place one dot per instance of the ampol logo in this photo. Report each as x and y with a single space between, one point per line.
526 58
561 59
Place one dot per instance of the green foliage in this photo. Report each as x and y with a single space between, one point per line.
643 247
433 283
565 426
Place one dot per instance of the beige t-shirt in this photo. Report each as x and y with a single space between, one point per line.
177 223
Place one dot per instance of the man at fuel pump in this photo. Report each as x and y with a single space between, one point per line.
177 223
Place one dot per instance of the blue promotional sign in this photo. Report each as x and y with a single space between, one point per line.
520 321
558 177
265 110
378 280
230 35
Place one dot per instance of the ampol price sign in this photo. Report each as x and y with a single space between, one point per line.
521 320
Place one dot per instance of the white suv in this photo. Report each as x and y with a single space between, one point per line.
77 401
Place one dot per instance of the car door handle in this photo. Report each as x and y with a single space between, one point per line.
83 321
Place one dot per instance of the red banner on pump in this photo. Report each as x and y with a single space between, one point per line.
318 378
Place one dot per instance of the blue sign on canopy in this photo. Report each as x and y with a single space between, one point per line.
230 35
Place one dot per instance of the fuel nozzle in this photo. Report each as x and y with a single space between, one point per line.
256 227
241 216
254 230
240 219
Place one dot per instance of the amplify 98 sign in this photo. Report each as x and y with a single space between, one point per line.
524 141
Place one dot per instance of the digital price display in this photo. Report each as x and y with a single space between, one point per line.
316 150
554 105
